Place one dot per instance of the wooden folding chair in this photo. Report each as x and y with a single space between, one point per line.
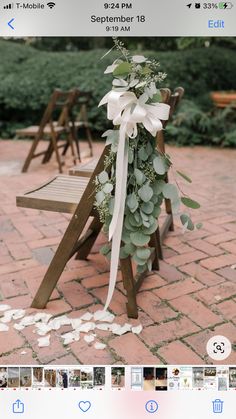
51 129
81 122
75 194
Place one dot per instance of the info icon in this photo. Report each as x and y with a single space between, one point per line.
219 348
151 406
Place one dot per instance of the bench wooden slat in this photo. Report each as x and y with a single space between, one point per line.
84 169
60 194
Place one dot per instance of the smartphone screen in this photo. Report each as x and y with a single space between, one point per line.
117 209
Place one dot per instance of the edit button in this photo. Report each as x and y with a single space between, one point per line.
216 24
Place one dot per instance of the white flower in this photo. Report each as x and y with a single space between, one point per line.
139 59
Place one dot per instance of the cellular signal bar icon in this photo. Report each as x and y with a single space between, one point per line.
9 6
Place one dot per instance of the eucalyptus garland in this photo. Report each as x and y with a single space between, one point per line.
147 167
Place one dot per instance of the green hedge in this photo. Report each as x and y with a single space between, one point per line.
28 76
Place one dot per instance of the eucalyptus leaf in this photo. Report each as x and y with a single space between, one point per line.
138 261
130 248
176 205
122 69
108 188
184 176
141 269
123 253
132 202
126 236
149 148
170 192
144 216
105 249
157 97
142 154
147 207
151 229
145 193
187 222
188 202
156 212
159 165
139 239
143 253
130 156
139 176
128 225
103 177
137 217
100 196
158 186
199 226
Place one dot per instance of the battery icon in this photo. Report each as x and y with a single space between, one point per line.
225 5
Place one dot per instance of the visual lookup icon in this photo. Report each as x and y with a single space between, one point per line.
219 348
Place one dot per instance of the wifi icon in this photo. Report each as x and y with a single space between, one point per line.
51 4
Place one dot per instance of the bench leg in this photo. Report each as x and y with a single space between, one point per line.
30 155
58 262
48 153
129 285
86 247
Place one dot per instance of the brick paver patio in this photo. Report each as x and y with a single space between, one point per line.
190 299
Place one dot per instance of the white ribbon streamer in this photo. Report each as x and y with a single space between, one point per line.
126 110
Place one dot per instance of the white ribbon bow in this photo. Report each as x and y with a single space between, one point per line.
126 110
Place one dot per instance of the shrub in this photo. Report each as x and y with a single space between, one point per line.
192 126
25 89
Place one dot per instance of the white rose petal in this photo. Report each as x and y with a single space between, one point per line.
42 329
75 323
139 59
137 329
86 327
4 307
42 317
44 342
123 329
71 337
10 314
133 83
103 326
4 327
87 317
110 68
23 353
99 345
115 327
119 83
104 316
27 321
89 338
18 326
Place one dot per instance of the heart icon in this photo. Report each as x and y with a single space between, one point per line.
84 406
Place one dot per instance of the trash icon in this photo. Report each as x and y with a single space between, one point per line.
217 406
